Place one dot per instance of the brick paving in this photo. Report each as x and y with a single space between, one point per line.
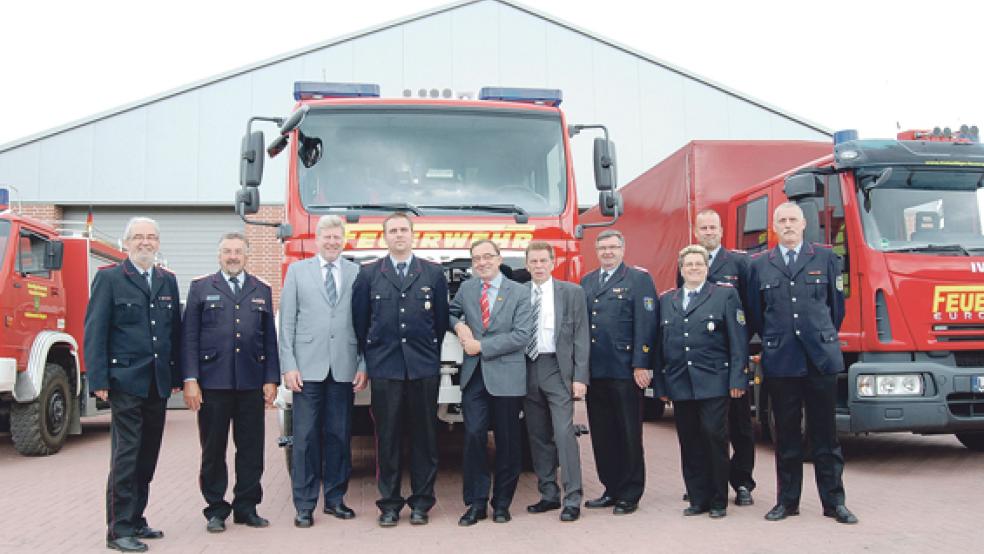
912 493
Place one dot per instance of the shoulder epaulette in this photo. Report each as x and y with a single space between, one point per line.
667 291
743 252
640 268
759 254
200 277
108 266
724 284
261 279
164 269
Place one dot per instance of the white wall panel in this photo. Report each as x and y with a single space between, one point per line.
522 49
427 54
172 151
378 58
475 50
222 115
21 168
120 157
66 165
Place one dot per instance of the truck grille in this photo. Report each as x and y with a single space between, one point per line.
966 404
969 358
959 332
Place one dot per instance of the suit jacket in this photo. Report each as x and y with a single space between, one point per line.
401 324
230 342
571 337
622 315
729 267
133 333
504 343
315 337
797 311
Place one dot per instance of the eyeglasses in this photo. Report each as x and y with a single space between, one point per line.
694 264
141 238
608 248
484 258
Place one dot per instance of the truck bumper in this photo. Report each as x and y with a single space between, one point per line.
8 374
947 404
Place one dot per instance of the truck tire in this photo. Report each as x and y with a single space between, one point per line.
974 440
39 428
652 408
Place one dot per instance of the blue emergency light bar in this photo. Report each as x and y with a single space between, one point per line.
313 90
539 96
4 198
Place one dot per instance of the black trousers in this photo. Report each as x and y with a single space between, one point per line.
702 429
136 429
615 417
243 409
742 436
395 403
818 393
482 411
322 442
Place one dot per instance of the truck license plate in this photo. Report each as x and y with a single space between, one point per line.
978 383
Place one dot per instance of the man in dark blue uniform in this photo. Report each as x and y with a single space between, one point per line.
231 369
700 362
132 336
400 315
796 304
622 314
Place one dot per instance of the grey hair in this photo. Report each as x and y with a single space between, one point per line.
609 233
788 205
235 235
692 249
139 219
329 221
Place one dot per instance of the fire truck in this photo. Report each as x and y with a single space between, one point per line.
44 289
497 167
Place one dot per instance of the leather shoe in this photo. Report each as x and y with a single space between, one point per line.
717 513
215 525
623 508
542 506
126 544
501 515
570 513
473 516
600 502
780 512
841 514
340 510
418 517
303 519
694 511
686 497
149 533
389 518
250 520
744 497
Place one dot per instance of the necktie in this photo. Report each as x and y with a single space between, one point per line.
790 257
330 284
236 289
150 284
401 270
690 296
484 302
710 260
533 348
604 277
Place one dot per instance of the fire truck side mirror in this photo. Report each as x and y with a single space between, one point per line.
247 201
251 160
53 254
610 203
802 186
606 176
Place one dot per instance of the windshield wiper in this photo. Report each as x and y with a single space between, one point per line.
393 206
933 248
521 215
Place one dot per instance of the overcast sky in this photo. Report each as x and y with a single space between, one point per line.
864 64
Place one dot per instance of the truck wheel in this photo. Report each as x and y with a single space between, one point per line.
39 428
652 408
973 440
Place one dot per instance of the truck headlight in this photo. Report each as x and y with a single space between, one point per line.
890 385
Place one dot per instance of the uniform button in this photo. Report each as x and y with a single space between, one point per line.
592 340
152 322
262 358
151 305
794 299
206 356
795 316
403 339
113 361
593 326
238 335
797 332
402 325
685 320
237 320
402 310
237 350
686 348
686 334
153 338
596 300
594 313
237 306
404 295
689 362
792 283
155 354
627 347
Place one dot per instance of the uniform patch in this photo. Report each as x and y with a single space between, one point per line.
839 283
817 272
425 289
645 348
650 303
259 301
740 316
164 298
212 297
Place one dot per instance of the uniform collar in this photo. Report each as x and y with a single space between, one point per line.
783 249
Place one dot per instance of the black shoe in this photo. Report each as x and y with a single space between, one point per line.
303 519
623 508
389 518
744 497
149 533
841 514
780 512
501 515
250 520
418 517
473 516
686 497
570 513
215 525
126 544
694 511
600 502
717 513
340 510
542 506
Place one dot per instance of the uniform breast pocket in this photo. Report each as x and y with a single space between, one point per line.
770 290
259 312
770 343
622 301
713 323
818 286
128 311
211 313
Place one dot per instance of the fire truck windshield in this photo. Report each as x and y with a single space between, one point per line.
436 158
933 212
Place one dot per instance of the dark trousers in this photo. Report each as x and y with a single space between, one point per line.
742 436
395 403
702 429
481 411
818 393
243 409
137 427
615 417
322 442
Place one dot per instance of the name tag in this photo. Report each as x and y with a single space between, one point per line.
212 297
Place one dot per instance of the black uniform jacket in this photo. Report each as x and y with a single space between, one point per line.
728 267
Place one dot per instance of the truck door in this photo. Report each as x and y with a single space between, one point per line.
35 297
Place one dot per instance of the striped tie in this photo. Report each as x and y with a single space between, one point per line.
484 301
533 348
330 284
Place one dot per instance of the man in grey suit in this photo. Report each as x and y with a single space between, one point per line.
492 317
320 364
557 373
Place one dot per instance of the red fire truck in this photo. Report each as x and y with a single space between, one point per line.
44 290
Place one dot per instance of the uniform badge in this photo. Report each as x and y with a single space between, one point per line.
645 348
839 283
427 305
259 301
164 298
710 326
740 316
616 291
212 297
817 272
425 289
650 303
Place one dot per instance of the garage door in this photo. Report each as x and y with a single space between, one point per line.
189 235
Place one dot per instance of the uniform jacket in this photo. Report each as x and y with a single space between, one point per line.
315 336
229 342
503 354
703 349
571 336
401 325
132 333
729 267
622 316
797 311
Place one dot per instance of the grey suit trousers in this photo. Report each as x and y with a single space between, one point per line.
549 409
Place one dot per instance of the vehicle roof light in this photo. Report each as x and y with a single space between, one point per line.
966 134
313 90
845 135
540 96
4 198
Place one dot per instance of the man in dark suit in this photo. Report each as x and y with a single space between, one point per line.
700 361
231 369
132 336
492 317
400 313
622 313
557 373
796 304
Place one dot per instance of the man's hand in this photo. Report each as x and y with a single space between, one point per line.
580 389
472 347
360 381
293 381
664 398
269 393
464 332
737 393
102 394
642 377
192 395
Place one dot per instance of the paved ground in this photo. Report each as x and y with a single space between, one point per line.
913 494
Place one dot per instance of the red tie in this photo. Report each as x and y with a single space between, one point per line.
484 301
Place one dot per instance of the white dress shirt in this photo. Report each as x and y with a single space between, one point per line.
336 272
545 327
